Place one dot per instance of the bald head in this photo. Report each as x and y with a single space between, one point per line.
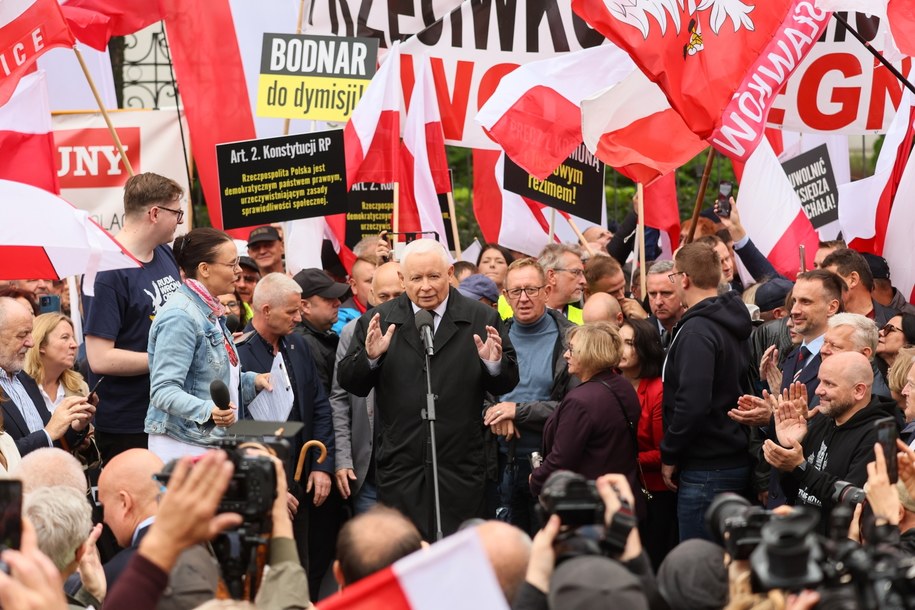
387 283
371 542
50 467
602 307
854 366
127 490
845 385
509 550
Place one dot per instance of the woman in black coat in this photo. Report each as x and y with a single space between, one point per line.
593 430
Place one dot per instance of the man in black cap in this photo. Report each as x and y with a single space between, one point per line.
265 246
884 292
320 304
247 280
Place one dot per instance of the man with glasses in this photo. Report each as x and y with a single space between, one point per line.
538 334
565 275
704 374
119 316
856 273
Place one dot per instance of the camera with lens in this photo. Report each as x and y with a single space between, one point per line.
785 552
581 510
251 491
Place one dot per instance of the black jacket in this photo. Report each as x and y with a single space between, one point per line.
835 453
15 425
704 373
323 346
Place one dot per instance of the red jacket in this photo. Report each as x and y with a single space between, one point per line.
651 430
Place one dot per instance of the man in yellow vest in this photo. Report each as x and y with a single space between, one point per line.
565 274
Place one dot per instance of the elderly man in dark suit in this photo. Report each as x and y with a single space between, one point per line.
472 355
276 304
25 416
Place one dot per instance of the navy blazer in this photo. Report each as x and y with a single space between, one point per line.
15 426
809 376
313 407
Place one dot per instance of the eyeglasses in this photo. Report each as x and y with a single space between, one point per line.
179 213
889 328
571 349
231 265
531 291
673 276
575 272
230 304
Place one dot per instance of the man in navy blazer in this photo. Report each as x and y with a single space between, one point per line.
25 417
276 305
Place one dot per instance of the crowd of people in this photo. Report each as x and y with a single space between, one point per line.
582 424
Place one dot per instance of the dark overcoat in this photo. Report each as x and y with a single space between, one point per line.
459 378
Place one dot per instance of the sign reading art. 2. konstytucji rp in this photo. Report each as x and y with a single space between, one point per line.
279 179
319 78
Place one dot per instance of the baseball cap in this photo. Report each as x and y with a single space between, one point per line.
317 282
880 269
772 294
263 234
479 286
248 262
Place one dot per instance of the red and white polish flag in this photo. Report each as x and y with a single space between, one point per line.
26 137
453 574
535 113
95 22
632 128
372 134
897 247
28 29
663 213
424 169
771 212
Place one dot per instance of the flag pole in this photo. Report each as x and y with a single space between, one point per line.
640 204
552 224
883 60
298 30
101 107
701 194
581 237
454 227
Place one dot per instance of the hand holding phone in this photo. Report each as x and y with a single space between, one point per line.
10 514
886 436
723 205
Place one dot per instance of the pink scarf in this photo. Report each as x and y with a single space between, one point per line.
219 310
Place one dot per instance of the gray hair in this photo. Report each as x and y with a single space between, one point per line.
50 467
273 288
6 304
551 255
424 246
865 333
63 521
661 267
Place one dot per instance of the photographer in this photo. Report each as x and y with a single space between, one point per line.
587 579
187 516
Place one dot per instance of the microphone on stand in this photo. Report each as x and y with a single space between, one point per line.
424 324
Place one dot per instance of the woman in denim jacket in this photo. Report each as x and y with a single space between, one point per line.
190 346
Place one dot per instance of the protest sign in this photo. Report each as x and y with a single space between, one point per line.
576 186
91 171
811 175
319 78
370 207
279 179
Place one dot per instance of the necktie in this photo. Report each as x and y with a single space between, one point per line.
802 355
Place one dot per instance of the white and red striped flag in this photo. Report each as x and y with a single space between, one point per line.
28 29
771 212
424 169
662 212
632 128
95 22
535 113
901 15
26 137
453 574
897 248
372 134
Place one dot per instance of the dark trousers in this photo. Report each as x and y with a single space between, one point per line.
515 494
110 443
659 532
324 523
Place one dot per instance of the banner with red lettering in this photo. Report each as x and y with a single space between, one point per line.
720 64
840 87
90 168
28 28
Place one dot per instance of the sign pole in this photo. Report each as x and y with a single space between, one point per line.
454 226
701 194
101 107
640 204
581 237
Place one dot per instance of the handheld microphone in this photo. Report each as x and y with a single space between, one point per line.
424 324
219 392
233 323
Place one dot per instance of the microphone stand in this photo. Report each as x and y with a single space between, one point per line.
428 414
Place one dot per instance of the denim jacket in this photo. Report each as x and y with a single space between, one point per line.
186 353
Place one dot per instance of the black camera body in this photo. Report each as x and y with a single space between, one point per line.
251 491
